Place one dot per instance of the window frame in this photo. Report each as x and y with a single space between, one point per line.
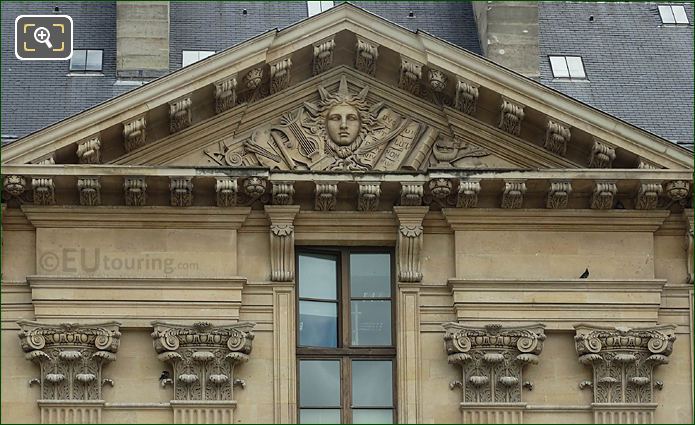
311 6
569 73
84 70
345 353
198 52
673 14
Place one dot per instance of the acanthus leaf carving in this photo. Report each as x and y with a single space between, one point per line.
49 159
89 151
134 133
513 194
366 55
180 114
602 155
511 116
181 189
323 56
468 194
44 191
602 197
226 190
557 135
466 99
411 194
90 191
283 193
558 194
225 94
368 195
135 191
647 196
410 75
280 74
325 196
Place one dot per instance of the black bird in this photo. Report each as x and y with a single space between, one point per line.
164 375
585 274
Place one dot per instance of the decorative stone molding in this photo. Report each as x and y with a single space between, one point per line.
134 133
49 159
643 164
15 185
623 360
437 80
254 89
366 55
602 155
559 194
226 190
225 94
325 196
447 150
511 116
411 194
557 135
492 359
135 191
513 195
468 194
677 190
181 189
410 74
620 413
71 357
440 189
90 191
180 114
203 412
255 188
280 74
89 151
203 357
602 197
648 195
281 241
283 193
368 195
466 99
44 191
409 242
323 56
688 245
71 412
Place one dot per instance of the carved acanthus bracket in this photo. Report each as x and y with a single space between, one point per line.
623 360
181 189
602 155
325 196
49 159
71 357
134 134
368 195
226 190
513 194
409 242
511 116
559 194
557 135
648 195
180 114
602 198
366 56
281 241
323 56
280 74
44 191
225 94
466 97
410 75
135 191
283 193
437 80
203 357
468 194
90 191
89 151
643 164
492 359
411 194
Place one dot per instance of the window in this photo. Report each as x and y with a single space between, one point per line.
570 67
192 56
673 14
86 61
346 350
316 7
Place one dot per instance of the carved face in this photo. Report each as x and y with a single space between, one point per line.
343 124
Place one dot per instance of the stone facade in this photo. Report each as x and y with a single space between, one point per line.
537 278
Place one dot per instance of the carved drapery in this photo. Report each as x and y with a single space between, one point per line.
409 242
281 241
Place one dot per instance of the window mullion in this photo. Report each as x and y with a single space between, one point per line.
345 297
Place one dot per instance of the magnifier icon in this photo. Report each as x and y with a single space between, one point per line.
41 35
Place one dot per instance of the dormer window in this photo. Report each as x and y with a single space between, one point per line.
673 14
316 7
568 67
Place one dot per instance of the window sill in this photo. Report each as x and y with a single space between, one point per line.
571 80
85 74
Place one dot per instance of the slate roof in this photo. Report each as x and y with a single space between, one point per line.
638 70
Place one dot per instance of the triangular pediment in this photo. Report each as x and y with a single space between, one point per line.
407 101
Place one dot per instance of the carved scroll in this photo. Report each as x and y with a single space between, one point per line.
559 194
367 52
281 241
511 115
135 191
410 74
280 75
44 191
325 196
225 94
134 135
180 114
466 97
283 193
411 194
409 242
602 155
602 197
648 195
226 191
181 189
468 194
557 135
89 151
323 56
368 195
513 195
89 189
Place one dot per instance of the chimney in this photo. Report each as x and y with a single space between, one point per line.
142 34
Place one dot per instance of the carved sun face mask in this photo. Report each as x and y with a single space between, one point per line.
343 124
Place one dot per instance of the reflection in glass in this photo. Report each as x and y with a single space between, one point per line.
94 58
317 276
318 324
319 383
371 383
319 416
78 60
372 416
370 275
371 322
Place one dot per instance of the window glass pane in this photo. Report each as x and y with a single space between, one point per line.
372 383
318 324
188 57
319 416
576 67
370 275
319 383
325 5
372 416
94 58
666 15
559 67
204 54
313 7
317 276
371 322
679 14
77 62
